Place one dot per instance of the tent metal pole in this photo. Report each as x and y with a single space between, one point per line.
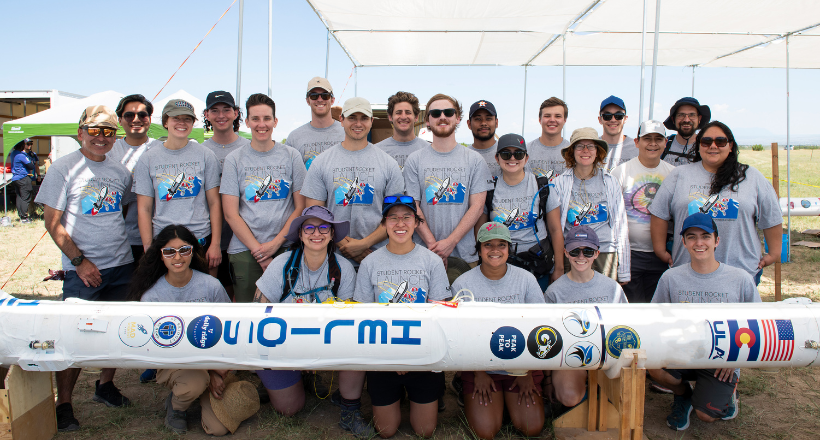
5 178
270 48
643 61
655 60
327 53
788 159
355 81
693 81
239 52
524 109
564 66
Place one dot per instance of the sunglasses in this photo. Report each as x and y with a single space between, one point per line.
97 131
448 112
129 116
310 229
324 95
720 142
577 251
619 116
507 154
184 251
407 200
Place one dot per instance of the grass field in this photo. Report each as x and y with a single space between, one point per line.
783 405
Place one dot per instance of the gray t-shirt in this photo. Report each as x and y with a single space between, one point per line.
599 290
310 141
310 286
620 153
415 277
400 150
725 285
353 185
265 183
442 183
517 286
202 288
737 214
686 147
221 152
590 191
513 206
544 158
178 180
90 195
488 154
129 156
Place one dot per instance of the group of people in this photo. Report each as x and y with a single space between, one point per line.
328 216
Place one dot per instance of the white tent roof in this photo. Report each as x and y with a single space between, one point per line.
529 32
70 111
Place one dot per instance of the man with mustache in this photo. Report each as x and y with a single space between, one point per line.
403 112
483 121
687 116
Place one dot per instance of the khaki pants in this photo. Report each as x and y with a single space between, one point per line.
246 272
606 264
187 386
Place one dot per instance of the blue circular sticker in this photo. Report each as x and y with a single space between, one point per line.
204 331
168 331
621 338
507 343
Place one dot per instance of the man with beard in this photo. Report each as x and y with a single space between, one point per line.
545 152
612 117
449 184
483 121
403 112
687 116
322 132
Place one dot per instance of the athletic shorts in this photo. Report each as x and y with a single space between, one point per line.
114 287
387 387
710 396
503 382
279 379
223 272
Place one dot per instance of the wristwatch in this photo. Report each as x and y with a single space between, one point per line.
77 260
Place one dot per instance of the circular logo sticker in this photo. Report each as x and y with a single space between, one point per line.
621 338
168 331
544 342
135 330
805 204
507 343
582 354
204 331
581 323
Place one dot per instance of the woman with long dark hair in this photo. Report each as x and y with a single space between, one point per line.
736 196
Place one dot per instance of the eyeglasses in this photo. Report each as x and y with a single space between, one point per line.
97 131
448 112
720 142
407 200
507 154
324 95
184 251
577 251
683 116
129 116
310 229
582 147
406 219
619 116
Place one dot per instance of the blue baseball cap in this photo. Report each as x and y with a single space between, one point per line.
581 236
699 220
613 100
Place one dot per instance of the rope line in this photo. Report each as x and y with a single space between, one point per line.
348 82
24 260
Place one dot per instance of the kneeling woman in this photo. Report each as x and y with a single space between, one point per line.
414 275
486 394
173 269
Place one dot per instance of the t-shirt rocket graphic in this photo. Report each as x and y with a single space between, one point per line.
353 193
392 293
514 219
549 174
725 208
445 191
587 214
178 187
266 189
103 201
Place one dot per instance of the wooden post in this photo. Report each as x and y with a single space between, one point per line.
592 400
776 185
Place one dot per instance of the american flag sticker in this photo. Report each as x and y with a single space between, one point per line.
778 340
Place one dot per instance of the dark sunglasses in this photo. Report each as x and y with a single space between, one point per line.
184 251
315 95
448 112
407 200
310 229
577 251
129 116
96 131
720 142
619 116
507 154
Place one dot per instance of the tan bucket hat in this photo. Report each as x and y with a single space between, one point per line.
239 402
586 134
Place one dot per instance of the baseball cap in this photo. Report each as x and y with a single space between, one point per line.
511 140
357 105
613 100
482 105
491 230
398 200
651 126
28 141
179 107
215 98
699 220
98 116
318 81
581 236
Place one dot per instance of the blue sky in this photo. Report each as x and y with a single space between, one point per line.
134 47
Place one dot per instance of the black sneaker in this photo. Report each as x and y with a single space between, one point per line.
314 384
351 420
176 421
441 405
336 398
65 418
110 395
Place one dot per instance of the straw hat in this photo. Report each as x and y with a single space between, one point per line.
239 402
586 134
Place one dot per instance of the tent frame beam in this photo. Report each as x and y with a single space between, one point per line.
333 33
763 43
555 37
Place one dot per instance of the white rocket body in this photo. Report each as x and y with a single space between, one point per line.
52 335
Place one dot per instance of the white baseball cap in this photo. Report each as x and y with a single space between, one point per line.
651 126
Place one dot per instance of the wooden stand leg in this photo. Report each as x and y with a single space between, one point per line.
27 409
